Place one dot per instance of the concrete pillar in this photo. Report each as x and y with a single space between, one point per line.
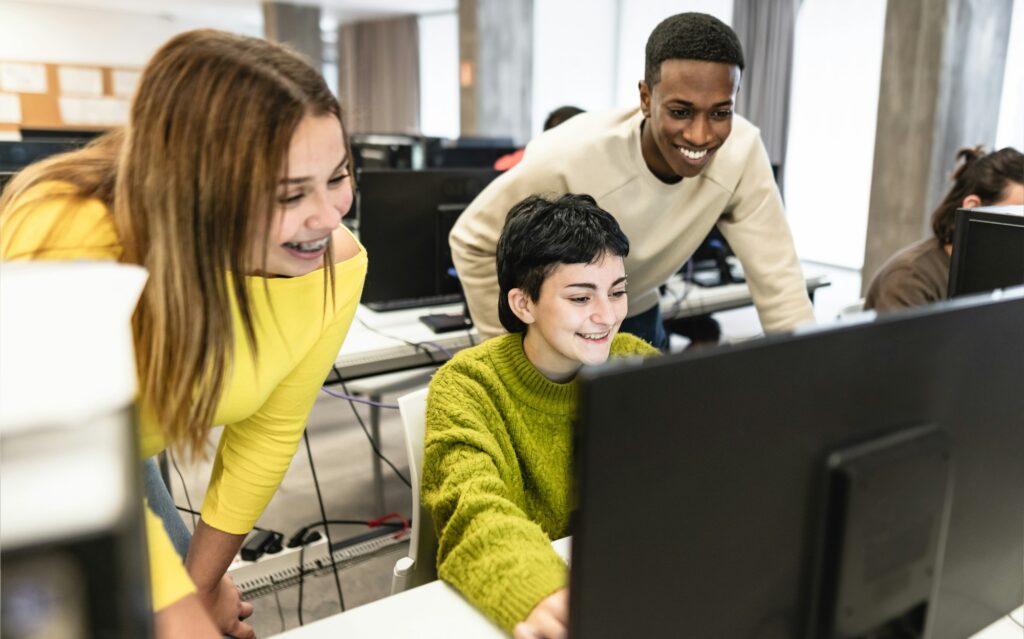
496 68
297 26
942 73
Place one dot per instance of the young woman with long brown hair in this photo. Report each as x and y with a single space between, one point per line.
228 185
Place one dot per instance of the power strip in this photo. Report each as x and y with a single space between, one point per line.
275 572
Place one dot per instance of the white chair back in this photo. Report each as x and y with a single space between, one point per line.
850 309
419 567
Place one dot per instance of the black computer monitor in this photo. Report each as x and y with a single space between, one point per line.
988 249
14 156
376 151
784 486
479 153
82 136
404 221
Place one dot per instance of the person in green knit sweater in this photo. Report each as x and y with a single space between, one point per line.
497 452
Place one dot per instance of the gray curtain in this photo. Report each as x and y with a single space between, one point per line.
766 29
496 38
297 26
379 75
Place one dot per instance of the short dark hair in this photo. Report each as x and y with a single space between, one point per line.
986 176
559 115
540 234
690 36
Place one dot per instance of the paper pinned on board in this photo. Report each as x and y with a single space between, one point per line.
22 77
93 111
80 81
125 81
10 108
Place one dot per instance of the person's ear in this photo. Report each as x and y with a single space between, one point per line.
972 201
645 98
737 81
521 305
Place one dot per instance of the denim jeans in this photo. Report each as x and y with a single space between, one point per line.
162 505
648 327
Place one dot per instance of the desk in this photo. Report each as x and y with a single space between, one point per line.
432 611
685 299
379 343
438 611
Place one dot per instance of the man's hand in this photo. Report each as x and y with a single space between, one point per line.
225 605
548 620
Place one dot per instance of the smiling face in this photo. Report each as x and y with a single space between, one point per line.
312 198
688 116
578 312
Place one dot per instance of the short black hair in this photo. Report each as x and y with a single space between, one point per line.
691 36
540 234
559 115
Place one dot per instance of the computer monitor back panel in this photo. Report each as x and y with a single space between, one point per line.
404 221
700 476
988 249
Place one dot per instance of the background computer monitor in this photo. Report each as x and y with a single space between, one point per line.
703 484
404 220
80 135
988 249
376 151
14 156
466 152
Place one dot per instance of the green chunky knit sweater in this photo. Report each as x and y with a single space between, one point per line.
496 474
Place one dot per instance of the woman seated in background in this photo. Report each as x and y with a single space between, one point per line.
228 185
919 274
497 472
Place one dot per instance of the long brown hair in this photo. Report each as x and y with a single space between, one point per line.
192 183
986 176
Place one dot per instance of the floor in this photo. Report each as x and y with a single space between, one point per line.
343 463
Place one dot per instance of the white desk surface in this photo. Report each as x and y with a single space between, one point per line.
432 611
378 343
438 611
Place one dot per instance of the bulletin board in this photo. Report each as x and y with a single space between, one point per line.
69 96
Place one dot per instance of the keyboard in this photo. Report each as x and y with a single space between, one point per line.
413 302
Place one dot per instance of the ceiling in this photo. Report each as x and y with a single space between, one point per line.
248 10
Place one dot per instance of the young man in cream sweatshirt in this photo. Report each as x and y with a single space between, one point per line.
669 171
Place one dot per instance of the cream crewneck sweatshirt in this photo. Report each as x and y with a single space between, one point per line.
599 154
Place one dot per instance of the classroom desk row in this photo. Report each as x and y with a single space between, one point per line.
380 343
438 611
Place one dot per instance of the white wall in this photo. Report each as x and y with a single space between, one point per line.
439 74
45 33
590 53
837 66
636 21
574 46
1010 131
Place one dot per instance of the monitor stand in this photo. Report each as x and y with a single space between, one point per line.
882 535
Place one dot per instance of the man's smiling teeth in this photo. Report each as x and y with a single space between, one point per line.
594 336
308 247
693 155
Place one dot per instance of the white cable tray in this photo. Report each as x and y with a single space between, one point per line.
281 570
